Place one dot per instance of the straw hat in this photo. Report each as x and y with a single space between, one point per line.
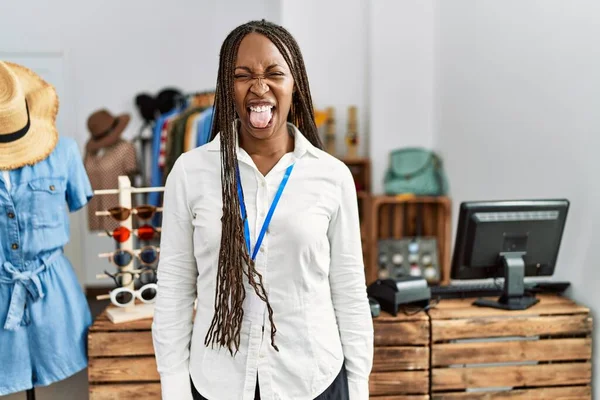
28 108
105 129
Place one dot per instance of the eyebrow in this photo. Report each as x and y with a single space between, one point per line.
270 67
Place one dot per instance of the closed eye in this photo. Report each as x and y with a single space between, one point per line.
269 75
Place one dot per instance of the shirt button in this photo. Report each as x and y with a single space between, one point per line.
52 187
15 246
262 249
11 215
262 184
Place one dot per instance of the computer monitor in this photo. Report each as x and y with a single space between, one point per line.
510 239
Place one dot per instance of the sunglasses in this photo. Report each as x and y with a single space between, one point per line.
123 297
147 255
144 232
145 276
143 212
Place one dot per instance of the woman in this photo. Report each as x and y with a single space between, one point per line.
261 226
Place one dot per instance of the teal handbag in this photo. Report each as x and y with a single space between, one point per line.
415 170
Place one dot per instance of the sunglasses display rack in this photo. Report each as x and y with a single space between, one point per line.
137 305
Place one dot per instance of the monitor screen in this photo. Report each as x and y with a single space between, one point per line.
489 230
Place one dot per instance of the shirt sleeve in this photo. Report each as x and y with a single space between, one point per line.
79 189
177 274
349 292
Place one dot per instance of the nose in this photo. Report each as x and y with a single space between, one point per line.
259 87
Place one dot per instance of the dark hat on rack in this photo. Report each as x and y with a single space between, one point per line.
147 107
167 99
150 107
105 129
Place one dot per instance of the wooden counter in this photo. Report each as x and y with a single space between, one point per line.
455 351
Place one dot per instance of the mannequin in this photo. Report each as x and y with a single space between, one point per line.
44 315
107 156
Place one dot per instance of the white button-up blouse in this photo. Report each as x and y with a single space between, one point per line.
312 268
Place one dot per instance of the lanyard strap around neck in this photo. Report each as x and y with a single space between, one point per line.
267 221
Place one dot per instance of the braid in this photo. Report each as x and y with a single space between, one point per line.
233 254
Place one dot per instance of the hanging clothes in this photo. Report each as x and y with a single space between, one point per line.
103 168
172 136
156 179
189 139
204 127
176 138
44 315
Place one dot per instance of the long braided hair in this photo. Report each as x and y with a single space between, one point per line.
233 254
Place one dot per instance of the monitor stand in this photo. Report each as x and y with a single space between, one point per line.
513 295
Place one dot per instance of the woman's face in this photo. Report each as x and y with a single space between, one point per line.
263 87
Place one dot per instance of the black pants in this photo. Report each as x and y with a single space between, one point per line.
338 390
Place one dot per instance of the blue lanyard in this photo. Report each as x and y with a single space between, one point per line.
263 230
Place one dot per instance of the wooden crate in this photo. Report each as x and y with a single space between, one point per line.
121 360
387 221
401 357
541 353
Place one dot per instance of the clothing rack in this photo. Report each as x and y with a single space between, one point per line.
143 148
144 143
134 311
185 97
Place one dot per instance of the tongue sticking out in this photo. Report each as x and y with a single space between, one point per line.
260 119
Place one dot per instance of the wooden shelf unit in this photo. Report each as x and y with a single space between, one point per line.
387 222
361 171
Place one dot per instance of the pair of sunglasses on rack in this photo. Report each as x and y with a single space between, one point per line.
145 276
147 255
144 232
143 212
123 297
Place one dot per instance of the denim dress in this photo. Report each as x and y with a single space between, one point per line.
44 315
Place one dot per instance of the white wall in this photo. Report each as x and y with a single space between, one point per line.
333 41
112 50
517 115
401 57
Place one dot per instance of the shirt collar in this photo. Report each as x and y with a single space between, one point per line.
302 145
